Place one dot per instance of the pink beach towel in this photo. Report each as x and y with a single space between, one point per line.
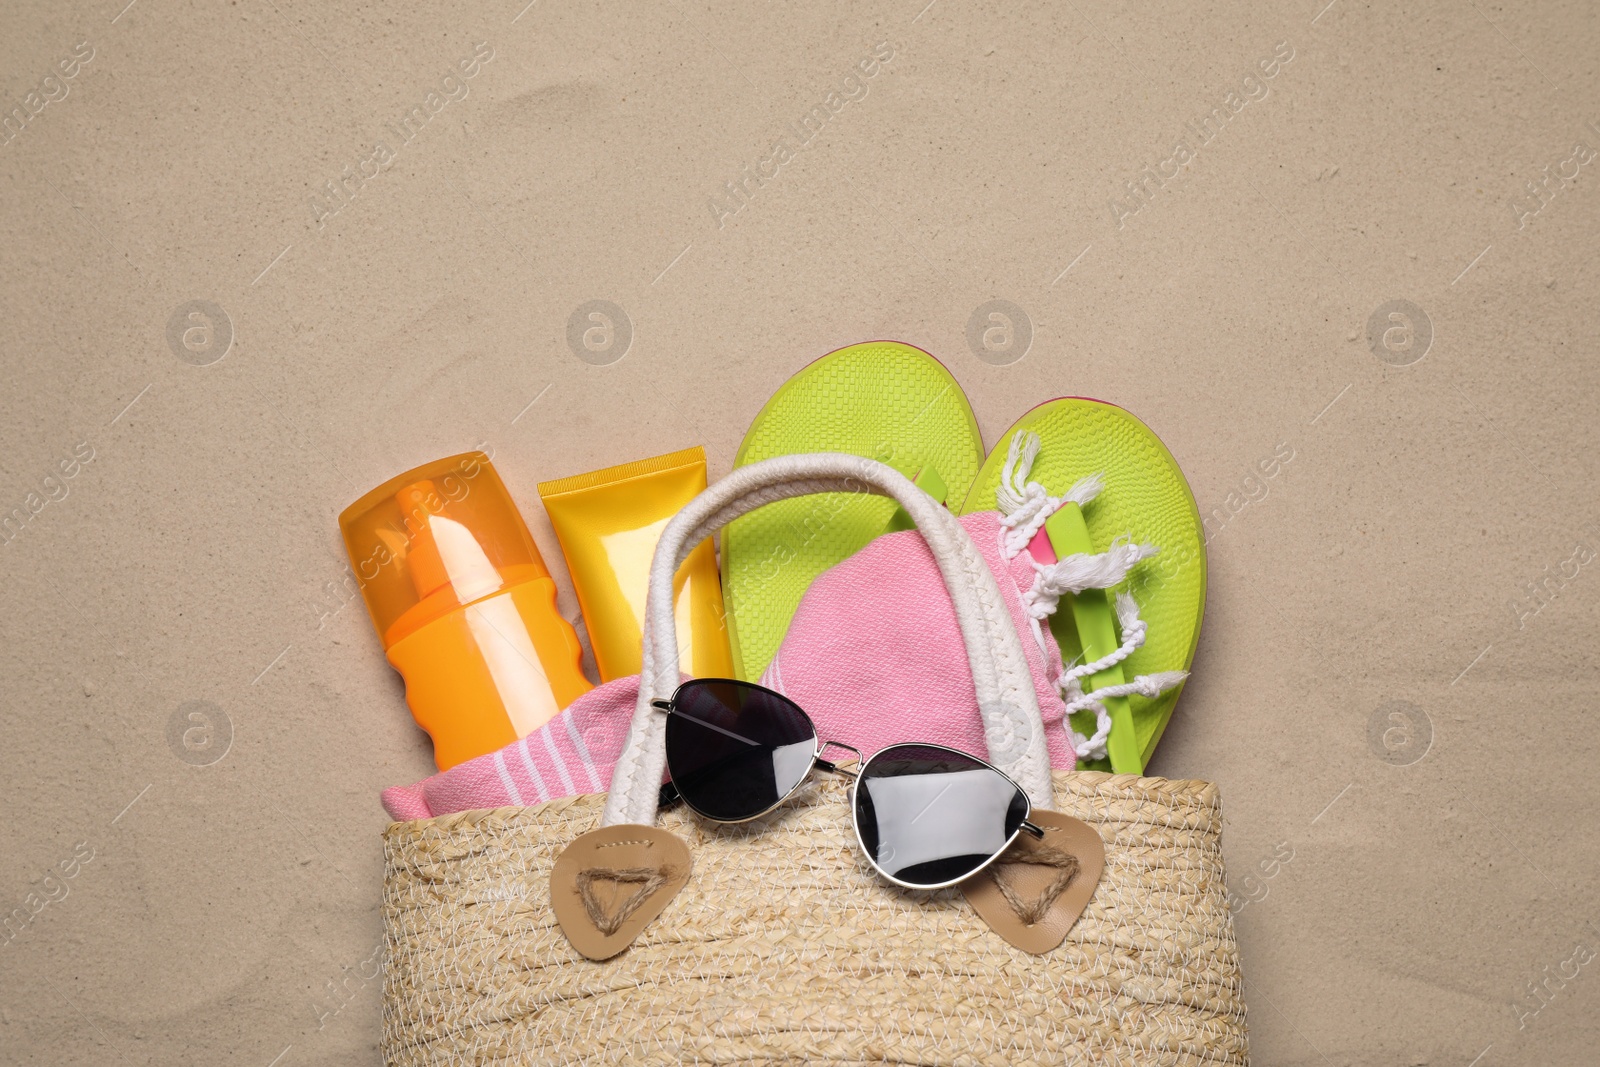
570 755
873 655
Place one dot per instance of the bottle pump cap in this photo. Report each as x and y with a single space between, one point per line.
436 538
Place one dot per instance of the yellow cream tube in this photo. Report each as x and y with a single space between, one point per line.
608 522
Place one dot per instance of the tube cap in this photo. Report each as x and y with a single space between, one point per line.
436 538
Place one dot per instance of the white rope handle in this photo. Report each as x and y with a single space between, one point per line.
1010 708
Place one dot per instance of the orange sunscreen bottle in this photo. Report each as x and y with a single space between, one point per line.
609 522
464 606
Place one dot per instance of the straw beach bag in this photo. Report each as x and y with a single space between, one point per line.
783 947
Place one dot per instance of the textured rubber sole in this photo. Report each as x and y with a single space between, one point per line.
883 400
1145 496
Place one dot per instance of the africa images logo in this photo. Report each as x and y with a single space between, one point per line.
343 190
1142 190
53 87
787 145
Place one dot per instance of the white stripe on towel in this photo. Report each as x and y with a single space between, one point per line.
583 754
561 764
505 779
533 772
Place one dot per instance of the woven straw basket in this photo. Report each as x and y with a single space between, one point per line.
784 948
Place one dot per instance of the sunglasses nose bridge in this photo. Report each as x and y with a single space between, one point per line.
828 765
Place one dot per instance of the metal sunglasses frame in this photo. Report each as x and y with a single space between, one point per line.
670 794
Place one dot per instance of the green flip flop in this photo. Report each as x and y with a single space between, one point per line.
883 400
1106 524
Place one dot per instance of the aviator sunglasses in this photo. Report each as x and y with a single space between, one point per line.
926 816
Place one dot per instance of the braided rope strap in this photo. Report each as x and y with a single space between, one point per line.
1006 699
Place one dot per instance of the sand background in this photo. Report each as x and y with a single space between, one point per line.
1442 861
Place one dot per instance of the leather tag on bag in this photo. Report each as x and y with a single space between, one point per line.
1034 893
611 883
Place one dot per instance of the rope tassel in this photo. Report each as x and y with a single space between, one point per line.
1145 685
1025 506
1079 572
1013 491
1134 630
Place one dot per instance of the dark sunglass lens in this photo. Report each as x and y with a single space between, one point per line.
736 749
928 816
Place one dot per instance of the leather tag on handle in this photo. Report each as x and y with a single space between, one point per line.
611 883
1033 894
